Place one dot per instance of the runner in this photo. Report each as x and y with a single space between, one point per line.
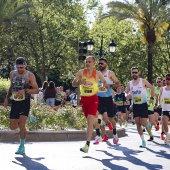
87 79
137 88
164 100
23 84
105 107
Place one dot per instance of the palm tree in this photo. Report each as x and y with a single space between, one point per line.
12 11
151 17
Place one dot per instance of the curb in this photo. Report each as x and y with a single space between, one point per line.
53 136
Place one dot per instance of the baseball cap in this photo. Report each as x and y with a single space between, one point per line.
20 60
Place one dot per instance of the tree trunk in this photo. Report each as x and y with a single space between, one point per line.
150 61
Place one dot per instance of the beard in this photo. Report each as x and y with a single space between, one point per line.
135 77
102 68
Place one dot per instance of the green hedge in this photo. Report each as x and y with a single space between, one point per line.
4 85
47 118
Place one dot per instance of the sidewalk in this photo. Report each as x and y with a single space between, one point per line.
46 136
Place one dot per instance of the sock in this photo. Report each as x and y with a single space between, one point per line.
114 131
150 134
162 132
158 123
142 137
22 142
98 132
88 143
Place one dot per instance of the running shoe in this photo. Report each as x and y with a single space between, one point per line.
115 139
157 128
162 136
105 138
97 140
21 150
143 144
151 138
85 149
110 126
167 139
133 123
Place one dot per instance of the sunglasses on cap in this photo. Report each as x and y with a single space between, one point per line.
158 82
101 64
18 67
134 72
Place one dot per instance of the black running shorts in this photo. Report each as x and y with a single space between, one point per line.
166 113
140 110
106 105
19 108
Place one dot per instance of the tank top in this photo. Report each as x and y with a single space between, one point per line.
107 93
138 92
20 83
91 86
150 105
165 100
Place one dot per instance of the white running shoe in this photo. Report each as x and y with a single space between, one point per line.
97 140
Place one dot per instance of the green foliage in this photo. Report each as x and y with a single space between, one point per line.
4 85
47 118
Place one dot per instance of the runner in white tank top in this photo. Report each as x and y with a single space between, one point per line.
137 89
164 100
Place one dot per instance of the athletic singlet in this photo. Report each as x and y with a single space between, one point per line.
20 83
107 93
150 105
138 92
91 86
165 100
157 91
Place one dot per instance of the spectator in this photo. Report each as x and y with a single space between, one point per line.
50 94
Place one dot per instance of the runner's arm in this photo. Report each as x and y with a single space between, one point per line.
115 80
76 82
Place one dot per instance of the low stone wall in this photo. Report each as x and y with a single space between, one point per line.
53 136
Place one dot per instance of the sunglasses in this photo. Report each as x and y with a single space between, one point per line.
134 72
101 63
20 67
167 78
158 82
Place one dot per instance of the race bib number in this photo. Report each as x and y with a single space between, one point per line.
127 102
138 100
88 91
166 100
17 98
119 103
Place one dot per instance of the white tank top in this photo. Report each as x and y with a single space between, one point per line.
106 76
138 92
165 99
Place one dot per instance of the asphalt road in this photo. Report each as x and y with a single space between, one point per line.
105 156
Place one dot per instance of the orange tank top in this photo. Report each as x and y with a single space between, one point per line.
91 86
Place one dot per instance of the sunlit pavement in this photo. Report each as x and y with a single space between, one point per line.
105 156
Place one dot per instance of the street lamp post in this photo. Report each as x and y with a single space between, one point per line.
100 53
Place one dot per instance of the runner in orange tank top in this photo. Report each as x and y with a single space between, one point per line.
88 80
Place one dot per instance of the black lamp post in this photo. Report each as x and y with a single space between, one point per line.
101 52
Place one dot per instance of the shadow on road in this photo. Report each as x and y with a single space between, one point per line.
129 155
30 163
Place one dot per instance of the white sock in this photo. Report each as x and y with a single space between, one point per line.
142 137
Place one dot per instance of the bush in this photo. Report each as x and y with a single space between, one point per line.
4 85
47 118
